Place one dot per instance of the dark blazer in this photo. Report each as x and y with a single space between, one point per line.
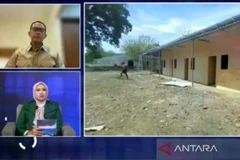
27 115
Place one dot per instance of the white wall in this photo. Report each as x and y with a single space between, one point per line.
55 31
3 61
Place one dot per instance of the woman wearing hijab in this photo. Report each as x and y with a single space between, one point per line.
38 109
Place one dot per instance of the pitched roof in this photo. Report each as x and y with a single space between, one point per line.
113 59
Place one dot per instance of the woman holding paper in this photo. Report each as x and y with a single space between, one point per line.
38 109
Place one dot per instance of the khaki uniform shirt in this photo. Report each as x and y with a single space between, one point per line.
28 58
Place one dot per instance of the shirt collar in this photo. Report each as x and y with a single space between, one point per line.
43 47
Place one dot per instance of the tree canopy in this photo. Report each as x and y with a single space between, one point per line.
135 47
105 22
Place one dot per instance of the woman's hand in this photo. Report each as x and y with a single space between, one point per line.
35 132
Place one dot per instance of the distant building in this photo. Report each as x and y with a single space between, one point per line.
116 59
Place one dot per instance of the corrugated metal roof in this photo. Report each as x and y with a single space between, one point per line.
211 29
112 59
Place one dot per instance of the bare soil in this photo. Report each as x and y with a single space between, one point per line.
143 105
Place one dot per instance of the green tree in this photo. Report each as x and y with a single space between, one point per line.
136 47
95 53
105 22
108 53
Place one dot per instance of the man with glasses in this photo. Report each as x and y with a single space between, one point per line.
36 55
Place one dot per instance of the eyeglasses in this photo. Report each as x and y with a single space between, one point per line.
36 29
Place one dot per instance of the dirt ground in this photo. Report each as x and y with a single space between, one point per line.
142 105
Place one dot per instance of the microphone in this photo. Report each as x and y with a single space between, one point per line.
36 107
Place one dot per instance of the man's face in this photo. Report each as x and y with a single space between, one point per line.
37 33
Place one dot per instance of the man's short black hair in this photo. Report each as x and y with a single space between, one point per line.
38 22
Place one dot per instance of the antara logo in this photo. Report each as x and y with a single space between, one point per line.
166 148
